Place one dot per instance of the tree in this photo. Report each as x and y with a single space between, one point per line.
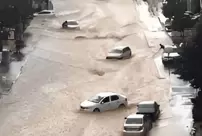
175 9
168 8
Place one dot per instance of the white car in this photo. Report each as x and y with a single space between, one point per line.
104 101
119 52
137 125
71 24
170 53
43 13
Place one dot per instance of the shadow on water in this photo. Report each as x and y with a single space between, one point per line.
27 36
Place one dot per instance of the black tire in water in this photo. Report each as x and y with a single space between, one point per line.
121 105
96 110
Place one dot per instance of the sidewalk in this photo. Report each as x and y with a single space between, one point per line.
172 122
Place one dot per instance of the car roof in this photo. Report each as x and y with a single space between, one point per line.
71 20
170 46
120 47
135 116
104 94
46 10
147 102
172 54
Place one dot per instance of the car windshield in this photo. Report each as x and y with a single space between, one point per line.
72 23
116 51
172 54
95 99
134 121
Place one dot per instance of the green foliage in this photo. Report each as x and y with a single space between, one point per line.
175 9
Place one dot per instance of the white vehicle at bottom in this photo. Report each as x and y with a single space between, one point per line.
45 13
104 101
137 125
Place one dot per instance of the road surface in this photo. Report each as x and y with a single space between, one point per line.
61 70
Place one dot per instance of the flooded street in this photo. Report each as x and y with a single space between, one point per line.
63 68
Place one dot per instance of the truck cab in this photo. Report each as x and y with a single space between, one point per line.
150 108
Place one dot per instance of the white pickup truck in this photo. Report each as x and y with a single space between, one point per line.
150 108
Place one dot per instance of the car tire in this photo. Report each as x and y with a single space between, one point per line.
96 110
121 58
122 105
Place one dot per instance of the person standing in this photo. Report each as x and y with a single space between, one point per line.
162 46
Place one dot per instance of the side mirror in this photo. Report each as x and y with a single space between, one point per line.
125 118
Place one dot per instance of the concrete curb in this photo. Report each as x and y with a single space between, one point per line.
161 75
149 45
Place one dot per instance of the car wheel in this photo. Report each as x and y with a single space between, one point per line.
96 110
121 105
121 58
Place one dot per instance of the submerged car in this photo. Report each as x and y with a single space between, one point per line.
137 125
71 24
119 52
104 101
43 13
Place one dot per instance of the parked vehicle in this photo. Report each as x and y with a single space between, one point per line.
119 52
150 108
104 101
43 13
137 125
168 25
71 24
170 54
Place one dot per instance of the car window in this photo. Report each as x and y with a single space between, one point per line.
105 100
126 49
45 12
72 23
134 121
145 105
116 51
114 98
95 99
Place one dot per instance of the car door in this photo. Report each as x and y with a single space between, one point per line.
105 104
115 101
